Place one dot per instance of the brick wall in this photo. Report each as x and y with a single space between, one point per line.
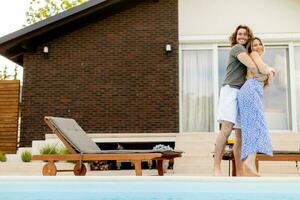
111 76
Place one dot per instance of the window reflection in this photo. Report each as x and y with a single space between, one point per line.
223 55
276 97
297 78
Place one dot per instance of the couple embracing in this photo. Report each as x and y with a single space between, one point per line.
240 103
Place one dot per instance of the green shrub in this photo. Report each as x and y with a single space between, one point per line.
49 149
63 150
26 156
2 157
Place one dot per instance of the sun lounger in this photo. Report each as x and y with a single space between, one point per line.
277 156
82 148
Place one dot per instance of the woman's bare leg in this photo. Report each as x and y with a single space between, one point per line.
249 166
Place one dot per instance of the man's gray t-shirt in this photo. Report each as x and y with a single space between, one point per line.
236 71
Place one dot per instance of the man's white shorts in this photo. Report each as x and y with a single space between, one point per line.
228 106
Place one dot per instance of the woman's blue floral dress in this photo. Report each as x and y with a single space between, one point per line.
255 133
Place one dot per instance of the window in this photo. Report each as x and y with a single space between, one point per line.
276 97
223 55
297 78
197 90
201 84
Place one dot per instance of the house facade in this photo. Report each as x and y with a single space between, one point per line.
108 68
203 54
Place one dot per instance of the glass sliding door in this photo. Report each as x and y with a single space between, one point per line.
276 98
297 81
197 91
198 87
223 55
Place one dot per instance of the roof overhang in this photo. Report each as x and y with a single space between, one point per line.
14 45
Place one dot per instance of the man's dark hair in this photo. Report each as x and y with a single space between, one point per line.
232 38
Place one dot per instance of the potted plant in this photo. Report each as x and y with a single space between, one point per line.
26 156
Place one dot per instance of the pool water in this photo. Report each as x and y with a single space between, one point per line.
148 188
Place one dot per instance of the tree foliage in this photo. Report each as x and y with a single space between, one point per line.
5 75
41 9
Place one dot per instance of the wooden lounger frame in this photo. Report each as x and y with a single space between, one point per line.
277 156
50 169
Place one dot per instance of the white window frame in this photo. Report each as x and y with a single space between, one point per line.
292 87
213 42
293 84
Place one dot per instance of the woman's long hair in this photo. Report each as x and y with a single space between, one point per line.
249 46
232 38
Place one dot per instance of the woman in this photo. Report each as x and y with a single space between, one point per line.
255 134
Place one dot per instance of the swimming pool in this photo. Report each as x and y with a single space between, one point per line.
148 188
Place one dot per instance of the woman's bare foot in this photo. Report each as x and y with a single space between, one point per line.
249 167
247 171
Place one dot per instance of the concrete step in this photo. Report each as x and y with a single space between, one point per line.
204 169
195 160
37 145
204 138
190 150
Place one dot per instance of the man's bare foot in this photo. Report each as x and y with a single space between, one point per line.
239 173
217 173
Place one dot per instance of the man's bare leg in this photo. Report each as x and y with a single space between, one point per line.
237 152
220 144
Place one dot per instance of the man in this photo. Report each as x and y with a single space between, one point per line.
236 72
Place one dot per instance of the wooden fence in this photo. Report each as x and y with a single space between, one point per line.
9 114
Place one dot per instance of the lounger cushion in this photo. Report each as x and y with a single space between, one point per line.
75 135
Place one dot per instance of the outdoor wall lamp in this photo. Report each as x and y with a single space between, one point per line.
168 48
46 52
